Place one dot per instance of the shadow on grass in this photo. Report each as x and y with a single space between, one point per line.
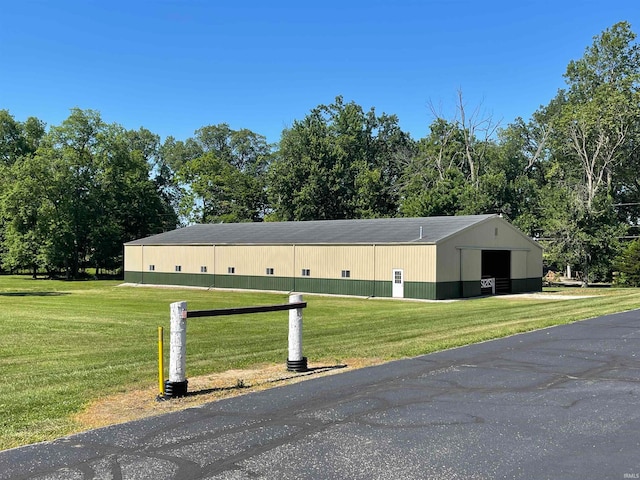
33 294
241 385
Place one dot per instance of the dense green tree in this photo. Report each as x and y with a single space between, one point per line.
585 238
628 265
12 139
18 142
69 152
518 172
84 192
442 197
18 139
223 175
338 162
450 172
129 204
172 156
593 127
219 192
377 181
24 207
599 119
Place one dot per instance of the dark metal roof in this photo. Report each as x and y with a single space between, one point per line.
368 231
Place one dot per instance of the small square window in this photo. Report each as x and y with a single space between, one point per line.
306 272
178 268
231 270
269 271
346 273
152 268
203 269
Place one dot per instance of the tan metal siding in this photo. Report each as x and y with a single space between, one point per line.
417 261
329 261
133 258
255 259
194 257
448 263
519 264
160 257
494 234
470 265
189 258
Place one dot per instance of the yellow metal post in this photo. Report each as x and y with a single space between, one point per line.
161 360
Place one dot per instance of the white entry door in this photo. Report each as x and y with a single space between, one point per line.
398 284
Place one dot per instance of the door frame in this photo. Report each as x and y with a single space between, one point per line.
397 287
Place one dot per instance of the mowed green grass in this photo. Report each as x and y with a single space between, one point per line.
64 345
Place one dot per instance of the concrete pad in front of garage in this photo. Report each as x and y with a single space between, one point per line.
559 403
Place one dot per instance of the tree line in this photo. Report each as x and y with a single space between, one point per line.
70 195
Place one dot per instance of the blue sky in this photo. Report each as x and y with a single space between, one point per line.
174 66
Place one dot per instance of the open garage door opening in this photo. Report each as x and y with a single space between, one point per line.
497 264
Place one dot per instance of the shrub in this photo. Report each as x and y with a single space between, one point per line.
628 264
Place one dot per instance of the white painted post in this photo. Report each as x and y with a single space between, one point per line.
176 385
295 330
295 361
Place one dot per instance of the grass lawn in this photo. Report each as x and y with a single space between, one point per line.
64 345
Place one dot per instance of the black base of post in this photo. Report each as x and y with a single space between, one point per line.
297 365
175 389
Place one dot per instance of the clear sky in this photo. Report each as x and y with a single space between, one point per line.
174 66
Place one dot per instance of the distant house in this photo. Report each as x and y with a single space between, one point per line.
428 258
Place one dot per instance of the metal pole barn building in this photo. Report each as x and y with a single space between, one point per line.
428 258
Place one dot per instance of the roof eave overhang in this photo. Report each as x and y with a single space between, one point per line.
287 244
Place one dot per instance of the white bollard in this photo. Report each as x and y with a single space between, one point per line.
176 385
295 361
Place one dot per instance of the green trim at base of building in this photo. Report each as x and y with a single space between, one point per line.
364 288
522 285
469 288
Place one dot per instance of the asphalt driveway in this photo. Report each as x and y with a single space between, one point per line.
560 403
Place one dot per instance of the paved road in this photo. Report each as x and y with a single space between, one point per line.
560 403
